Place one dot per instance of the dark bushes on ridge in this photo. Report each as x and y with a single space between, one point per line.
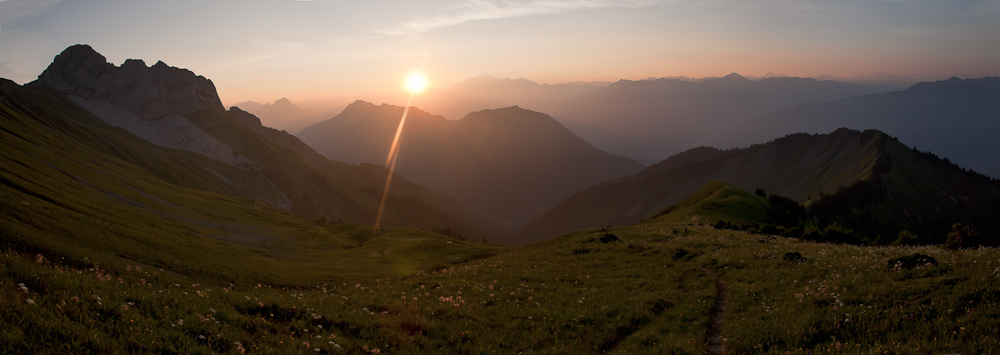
609 238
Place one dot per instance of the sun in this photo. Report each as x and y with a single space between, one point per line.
416 82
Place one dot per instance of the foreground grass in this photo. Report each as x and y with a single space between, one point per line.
641 291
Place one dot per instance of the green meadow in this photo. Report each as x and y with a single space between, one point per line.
641 289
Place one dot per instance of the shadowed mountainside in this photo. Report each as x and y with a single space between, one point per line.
80 191
870 180
366 176
196 144
509 164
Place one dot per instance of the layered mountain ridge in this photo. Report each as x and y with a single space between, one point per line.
509 164
954 118
284 115
178 131
876 184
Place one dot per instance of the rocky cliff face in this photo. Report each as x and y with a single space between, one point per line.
149 92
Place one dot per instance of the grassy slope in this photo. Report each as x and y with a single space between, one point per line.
918 192
73 199
366 176
278 175
104 229
316 189
645 293
712 203
310 192
799 166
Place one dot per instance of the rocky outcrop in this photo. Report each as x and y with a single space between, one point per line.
247 119
150 92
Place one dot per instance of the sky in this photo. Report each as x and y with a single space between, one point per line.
262 50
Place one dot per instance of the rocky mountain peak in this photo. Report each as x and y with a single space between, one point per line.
733 80
735 77
247 119
149 92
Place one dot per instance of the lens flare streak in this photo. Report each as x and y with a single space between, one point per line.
415 83
390 162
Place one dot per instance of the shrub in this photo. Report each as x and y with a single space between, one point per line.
906 238
609 238
960 234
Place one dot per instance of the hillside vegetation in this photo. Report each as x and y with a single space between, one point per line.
642 289
716 201
114 239
77 191
866 181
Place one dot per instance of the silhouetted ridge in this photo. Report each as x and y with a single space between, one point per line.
509 164
956 85
863 180
731 80
953 118
513 116
150 92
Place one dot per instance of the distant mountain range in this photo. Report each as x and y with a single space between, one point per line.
488 92
878 185
669 115
955 118
649 120
510 164
284 115
89 135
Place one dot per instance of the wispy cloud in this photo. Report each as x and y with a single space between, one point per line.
268 50
478 10
13 10
22 53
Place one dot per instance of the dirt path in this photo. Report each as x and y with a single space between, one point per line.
715 345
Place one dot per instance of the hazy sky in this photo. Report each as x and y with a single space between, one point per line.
266 49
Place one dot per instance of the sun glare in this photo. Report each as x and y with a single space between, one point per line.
416 82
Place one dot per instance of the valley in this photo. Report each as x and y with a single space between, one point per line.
139 215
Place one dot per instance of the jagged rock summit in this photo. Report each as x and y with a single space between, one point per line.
149 92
